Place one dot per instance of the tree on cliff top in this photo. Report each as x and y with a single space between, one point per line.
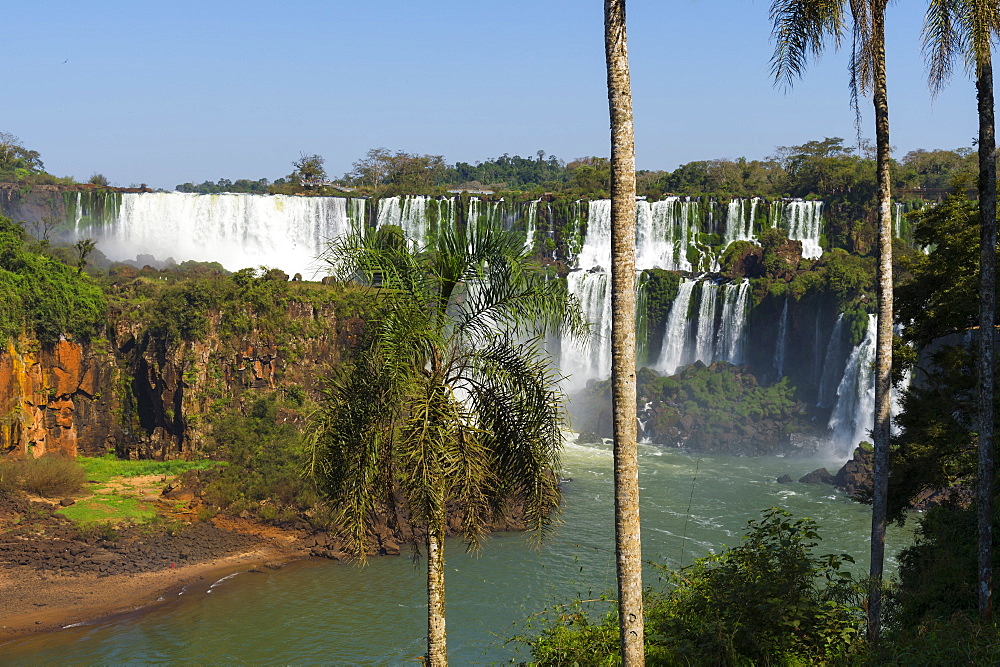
309 168
446 406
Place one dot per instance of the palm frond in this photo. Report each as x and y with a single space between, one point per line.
514 393
800 29
941 42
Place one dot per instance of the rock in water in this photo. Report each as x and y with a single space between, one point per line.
818 476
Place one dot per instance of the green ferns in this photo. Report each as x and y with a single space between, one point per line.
43 296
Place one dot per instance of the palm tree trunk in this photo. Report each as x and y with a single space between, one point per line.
883 339
627 540
437 651
987 306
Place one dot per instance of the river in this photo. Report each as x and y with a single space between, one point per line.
327 612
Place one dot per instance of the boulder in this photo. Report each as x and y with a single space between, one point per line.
785 479
855 477
818 476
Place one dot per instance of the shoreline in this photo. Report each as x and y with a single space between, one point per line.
37 602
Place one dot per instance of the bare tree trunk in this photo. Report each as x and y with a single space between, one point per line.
883 340
628 545
437 651
987 308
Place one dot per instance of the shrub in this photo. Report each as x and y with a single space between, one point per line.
47 476
770 600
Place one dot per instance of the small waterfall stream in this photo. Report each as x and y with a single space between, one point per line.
676 330
854 414
782 343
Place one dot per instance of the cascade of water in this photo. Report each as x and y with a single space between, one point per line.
596 250
779 348
817 364
581 360
236 230
830 367
675 332
530 225
704 342
735 302
664 233
407 212
739 220
805 223
854 414
775 212
897 217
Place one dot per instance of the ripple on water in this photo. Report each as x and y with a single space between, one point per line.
323 612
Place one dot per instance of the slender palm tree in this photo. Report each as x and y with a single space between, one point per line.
801 29
967 28
450 405
628 545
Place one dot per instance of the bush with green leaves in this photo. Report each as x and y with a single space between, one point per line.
264 475
47 476
769 600
43 296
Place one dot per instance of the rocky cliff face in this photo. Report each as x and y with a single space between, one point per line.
54 398
145 398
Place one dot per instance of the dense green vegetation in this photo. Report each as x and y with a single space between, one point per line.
22 165
265 458
770 600
42 295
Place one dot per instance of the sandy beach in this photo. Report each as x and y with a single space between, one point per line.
51 576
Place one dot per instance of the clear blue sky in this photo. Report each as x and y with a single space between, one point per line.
164 93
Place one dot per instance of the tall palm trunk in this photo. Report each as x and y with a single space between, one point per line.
883 340
987 306
627 541
437 650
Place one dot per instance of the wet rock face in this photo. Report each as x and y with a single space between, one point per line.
855 477
818 476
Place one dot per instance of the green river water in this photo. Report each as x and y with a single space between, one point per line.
324 612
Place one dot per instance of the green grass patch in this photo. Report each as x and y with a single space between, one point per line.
105 508
104 468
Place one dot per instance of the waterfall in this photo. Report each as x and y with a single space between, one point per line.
596 250
581 360
408 213
830 368
675 333
665 231
530 225
897 218
236 230
739 220
854 414
704 342
804 221
735 303
779 347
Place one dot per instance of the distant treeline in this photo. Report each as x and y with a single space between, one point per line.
827 169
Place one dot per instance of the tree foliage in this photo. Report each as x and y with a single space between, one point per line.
770 600
43 296
451 402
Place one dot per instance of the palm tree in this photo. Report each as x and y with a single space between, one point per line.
800 28
447 407
967 27
628 545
